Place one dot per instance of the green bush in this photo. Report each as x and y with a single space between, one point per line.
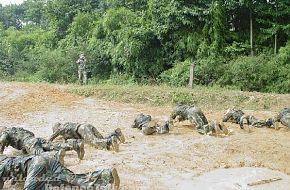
258 73
176 76
209 70
47 65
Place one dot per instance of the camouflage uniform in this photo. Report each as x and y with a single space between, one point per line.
89 134
82 70
197 119
41 172
252 121
213 127
284 117
233 115
149 127
191 113
25 140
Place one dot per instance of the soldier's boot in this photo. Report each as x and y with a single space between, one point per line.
114 143
116 179
120 135
79 147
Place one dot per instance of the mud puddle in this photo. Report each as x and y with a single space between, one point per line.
172 161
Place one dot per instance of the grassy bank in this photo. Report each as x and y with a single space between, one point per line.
209 98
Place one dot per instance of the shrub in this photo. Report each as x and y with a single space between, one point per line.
209 70
176 76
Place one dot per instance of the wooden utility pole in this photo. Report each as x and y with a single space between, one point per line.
251 32
275 45
191 75
275 38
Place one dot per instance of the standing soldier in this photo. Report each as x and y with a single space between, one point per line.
82 70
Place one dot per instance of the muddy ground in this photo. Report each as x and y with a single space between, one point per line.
170 161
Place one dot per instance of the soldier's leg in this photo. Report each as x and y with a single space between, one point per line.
93 137
33 146
85 77
100 179
56 155
80 75
1 183
149 128
37 168
204 129
244 118
259 123
118 133
196 122
70 144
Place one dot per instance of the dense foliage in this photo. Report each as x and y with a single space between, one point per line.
240 43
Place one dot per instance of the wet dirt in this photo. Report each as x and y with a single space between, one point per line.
174 161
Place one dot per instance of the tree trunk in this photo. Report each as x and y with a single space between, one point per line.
251 32
276 35
275 45
191 75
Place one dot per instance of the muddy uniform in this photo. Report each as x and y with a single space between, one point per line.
41 172
149 127
284 117
88 133
82 70
252 121
233 115
25 140
191 113
213 127
197 119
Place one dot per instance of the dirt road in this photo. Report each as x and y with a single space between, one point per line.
170 161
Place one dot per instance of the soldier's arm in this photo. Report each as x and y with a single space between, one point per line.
54 135
3 142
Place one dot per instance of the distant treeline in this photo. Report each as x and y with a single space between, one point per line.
239 43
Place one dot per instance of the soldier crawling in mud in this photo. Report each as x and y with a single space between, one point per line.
82 69
44 172
284 117
252 121
197 119
89 134
149 127
239 117
233 115
25 140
